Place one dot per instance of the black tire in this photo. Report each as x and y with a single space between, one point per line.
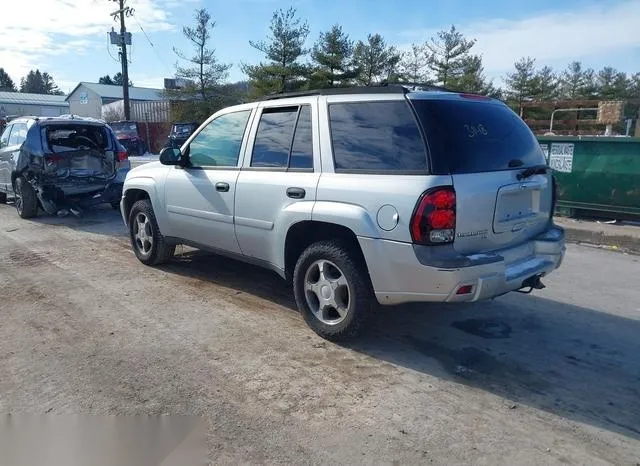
350 264
3 198
156 251
25 198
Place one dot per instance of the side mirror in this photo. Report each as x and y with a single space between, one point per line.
170 156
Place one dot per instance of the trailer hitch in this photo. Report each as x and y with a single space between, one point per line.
532 283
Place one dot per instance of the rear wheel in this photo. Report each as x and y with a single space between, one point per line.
25 198
3 198
333 290
147 242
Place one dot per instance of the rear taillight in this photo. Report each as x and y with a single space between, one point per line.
52 159
122 155
434 218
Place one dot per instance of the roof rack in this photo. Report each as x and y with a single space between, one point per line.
382 88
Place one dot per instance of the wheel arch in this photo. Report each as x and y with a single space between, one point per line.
304 233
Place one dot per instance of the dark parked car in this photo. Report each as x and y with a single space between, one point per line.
60 164
129 134
179 134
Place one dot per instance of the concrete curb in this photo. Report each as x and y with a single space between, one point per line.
613 236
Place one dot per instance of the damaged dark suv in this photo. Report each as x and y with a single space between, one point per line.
60 164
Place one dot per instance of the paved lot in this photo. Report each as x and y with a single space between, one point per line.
542 379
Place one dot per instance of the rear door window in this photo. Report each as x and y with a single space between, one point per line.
476 136
284 138
273 138
376 137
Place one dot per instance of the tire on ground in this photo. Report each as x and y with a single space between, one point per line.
361 299
160 251
26 198
3 198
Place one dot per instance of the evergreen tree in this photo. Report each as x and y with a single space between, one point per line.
283 50
546 84
576 82
106 79
612 84
375 60
332 55
413 65
522 83
448 54
471 78
39 83
6 83
206 71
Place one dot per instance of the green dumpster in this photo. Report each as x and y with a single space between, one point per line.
595 173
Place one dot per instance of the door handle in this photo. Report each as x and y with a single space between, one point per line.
222 187
296 193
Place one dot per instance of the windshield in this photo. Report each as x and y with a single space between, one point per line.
125 129
476 136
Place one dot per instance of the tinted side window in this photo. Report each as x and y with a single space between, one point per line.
476 136
302 148
273 138
376 136
18 134
4 139
218 144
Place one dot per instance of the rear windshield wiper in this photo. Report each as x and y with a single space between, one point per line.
538 170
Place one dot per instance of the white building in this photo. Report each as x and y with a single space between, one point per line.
87 99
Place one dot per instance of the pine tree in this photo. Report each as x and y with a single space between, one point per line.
332 55
447 54
6 83
413 65
576 82
205 71
471 78
283 50
106 79
521 84
545 84
39 83
612 84
375 60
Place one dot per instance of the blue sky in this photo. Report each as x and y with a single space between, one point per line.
68 38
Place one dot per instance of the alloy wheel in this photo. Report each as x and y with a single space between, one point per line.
327 292
142 233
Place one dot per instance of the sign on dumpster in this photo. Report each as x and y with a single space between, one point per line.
561 157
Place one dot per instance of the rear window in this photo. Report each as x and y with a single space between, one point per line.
473 136
376 137
65 138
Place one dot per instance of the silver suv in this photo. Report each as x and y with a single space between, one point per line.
358 196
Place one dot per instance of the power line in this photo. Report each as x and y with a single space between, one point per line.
152 46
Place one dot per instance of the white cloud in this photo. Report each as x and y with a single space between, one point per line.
554 37
47 28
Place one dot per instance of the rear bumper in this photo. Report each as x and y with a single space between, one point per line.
402 272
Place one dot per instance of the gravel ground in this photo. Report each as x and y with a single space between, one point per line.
548 378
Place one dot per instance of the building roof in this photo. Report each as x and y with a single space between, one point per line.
23 98
109 91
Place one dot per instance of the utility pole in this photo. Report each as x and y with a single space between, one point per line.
122 42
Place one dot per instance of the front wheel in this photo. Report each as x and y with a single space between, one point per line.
3 198
147 242
333 289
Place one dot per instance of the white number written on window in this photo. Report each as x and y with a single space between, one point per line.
476 130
